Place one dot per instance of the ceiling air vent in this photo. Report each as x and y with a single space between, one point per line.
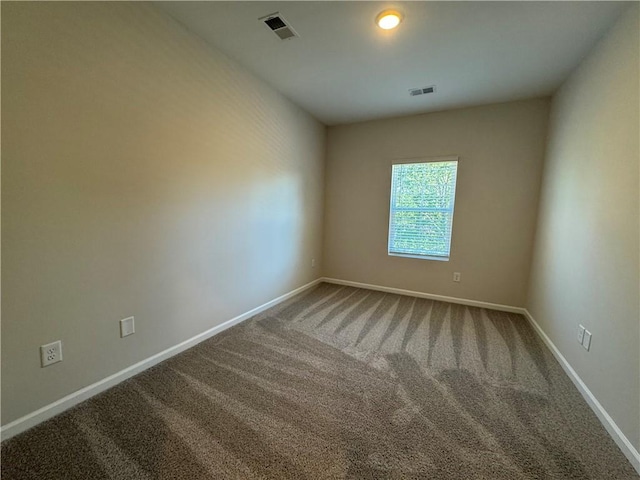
414 92
278 25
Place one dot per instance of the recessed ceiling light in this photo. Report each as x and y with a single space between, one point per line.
388 19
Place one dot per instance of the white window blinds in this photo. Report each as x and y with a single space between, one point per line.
421 217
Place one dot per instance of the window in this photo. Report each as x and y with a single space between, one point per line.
421 217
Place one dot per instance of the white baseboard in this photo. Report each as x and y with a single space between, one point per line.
442 298
48 411
621 440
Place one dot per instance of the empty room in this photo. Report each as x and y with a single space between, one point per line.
320 240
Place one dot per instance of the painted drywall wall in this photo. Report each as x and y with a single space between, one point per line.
144 174
585 263
501 150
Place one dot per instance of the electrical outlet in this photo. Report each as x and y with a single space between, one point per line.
456 276
127 327
586 342
580 334
50 353
313 263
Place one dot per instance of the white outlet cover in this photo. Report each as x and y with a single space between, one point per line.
586 343
581 331
50 353
456 276
127 327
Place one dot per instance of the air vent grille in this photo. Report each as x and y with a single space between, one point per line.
278 25
275 23
414 92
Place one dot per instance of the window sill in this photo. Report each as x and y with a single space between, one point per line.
421 257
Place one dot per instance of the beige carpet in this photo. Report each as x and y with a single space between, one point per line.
337 383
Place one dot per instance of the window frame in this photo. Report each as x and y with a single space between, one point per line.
417 160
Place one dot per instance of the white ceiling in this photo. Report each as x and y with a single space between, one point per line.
344 69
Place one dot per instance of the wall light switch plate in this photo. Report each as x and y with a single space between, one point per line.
51 353
580 334
127 327
586 343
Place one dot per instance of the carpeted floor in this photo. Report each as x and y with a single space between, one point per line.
337 382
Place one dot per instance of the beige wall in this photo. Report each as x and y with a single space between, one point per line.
501 149
143 174
585 267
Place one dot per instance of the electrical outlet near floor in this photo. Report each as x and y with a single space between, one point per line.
580 334
50 353
456 276
586 341
127 327
313 263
